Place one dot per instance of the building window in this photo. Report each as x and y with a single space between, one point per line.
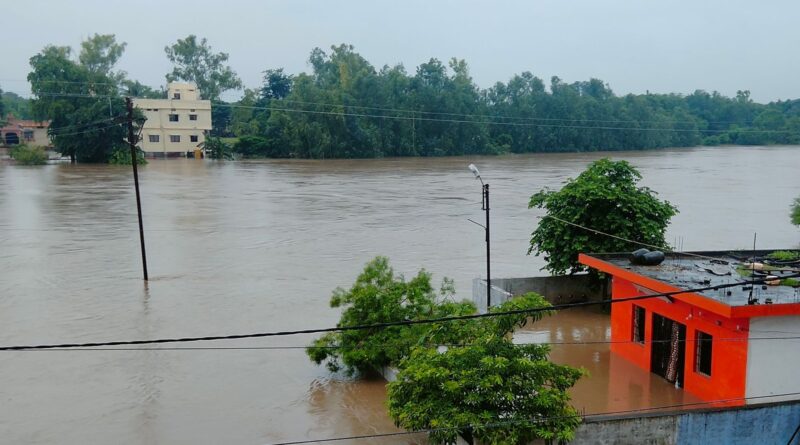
176 96
702 359
192 117
153 138
193 138
192 110
638 324
174 138
173 118
28 135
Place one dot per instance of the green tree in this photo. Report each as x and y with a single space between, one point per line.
194 61
379 296
217 148
100 53
606 198
133 88
488 389
81 104
16 105
796 212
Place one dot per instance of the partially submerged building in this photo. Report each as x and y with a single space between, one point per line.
731 346
22 131
175 126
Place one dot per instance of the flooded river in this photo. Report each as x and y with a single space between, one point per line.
240 247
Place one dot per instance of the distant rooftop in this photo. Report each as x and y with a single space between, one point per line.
689 270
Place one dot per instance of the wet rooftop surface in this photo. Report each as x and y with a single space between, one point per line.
704 269
579 338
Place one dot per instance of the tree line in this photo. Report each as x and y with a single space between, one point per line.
345 107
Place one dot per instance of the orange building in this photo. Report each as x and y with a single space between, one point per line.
736 345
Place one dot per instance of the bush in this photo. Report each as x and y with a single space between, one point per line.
378 296
25 155
796 212
122 156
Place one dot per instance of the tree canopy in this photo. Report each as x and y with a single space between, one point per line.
489 388
796 212
379 296
195 61
346 107
481 384
606 198
81 98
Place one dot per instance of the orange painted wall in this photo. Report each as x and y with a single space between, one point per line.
729 350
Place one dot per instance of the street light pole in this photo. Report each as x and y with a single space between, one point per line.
485 206
488 262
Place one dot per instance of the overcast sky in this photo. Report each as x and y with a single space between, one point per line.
635 45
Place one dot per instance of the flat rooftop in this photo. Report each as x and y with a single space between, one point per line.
687 270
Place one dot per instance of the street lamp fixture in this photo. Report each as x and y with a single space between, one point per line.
485 207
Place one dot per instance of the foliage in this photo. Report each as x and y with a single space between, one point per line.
379 296
796 212
490 389
16 105
217 148
194 61
100 53
344 107
81 98
784 255
2 107
134 88
25 155
605 197
122 156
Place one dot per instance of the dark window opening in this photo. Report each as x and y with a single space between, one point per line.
638 324
703 353
193 138
153 138
192 117
173 118
176 96
174 138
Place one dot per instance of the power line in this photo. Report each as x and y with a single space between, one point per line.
539 420
462 121
448 345
381 325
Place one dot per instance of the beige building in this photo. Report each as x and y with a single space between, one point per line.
175 126
19 131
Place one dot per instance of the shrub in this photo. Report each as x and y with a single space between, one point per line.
25 155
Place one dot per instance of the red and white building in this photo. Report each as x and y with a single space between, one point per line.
20 131
733 346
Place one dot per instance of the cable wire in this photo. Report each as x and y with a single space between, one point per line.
383 325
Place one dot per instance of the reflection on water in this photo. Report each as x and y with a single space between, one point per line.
612 384
258 246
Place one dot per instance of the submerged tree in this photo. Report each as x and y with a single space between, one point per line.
487 388
604 198
379 296
796 212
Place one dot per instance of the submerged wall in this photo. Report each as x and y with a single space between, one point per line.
559 289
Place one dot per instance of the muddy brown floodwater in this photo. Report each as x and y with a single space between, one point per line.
240 247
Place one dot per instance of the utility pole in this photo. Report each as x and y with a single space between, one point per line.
132 141
488 262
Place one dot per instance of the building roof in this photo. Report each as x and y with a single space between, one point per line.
690 270
24 123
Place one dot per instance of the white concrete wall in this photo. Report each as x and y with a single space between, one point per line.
773 363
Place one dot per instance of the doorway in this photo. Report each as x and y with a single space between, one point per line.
668 349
